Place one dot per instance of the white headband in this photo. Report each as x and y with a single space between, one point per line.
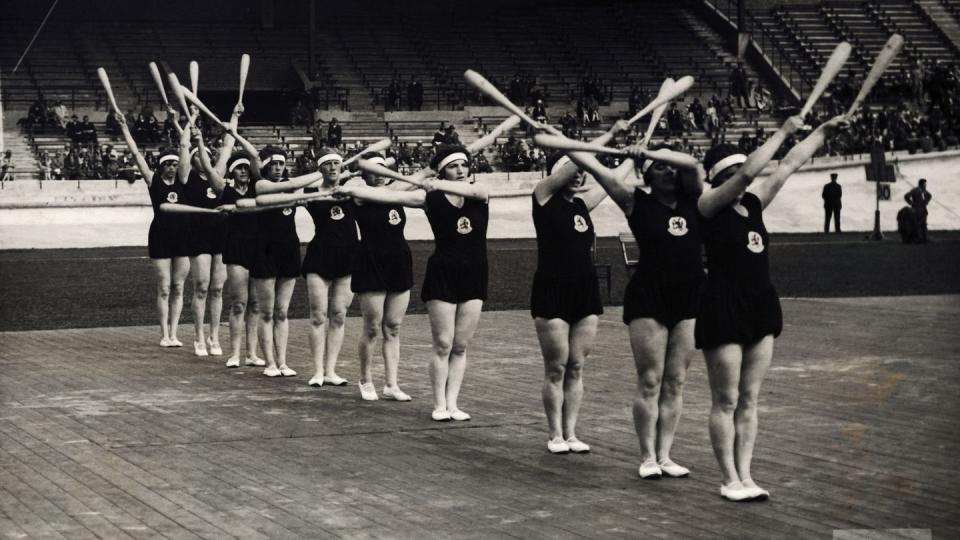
450 159
560 163
194 151
237 163
168 157
725 163
378 160
329 157
275 157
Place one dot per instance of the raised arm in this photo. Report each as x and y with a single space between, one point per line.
714 200
610 181
384 195
215 176
226 149
132 145
690 171
767 189
251 151
183 170
559 178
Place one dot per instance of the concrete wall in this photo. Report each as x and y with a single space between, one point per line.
103 214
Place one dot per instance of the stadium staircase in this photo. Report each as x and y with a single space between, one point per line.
939 12
808 33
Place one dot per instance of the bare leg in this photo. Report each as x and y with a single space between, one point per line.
265 290
467 319
162 268
648 339
252 322
554 337
317 292
394 308
582 336
181 267
680 350
723 370
756 361
371 307
285 288
442 317
200 268
218 277
340 297
238 287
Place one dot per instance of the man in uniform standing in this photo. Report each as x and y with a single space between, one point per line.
918 198
832 195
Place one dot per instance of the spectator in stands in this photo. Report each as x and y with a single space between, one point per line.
59 111
634 102
439 135
450 135
675 120
56 165
760 97
72 130
711 122
169 134
46 172
540 111
739 85
111 166
37 114
592 111
299 114
696 109
392 101
7 167
126 159
71 165
918 198
317 133
480 163
415 94
112 126
307 161
87 131
517 90
726 110
832 195
88 164
568 125
334 134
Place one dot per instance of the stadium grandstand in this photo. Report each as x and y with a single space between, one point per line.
477 269
399 74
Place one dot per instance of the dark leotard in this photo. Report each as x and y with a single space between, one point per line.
457 269
330 254
168 232
241 237
278 246
383 262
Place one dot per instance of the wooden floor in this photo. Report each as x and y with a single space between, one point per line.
104 434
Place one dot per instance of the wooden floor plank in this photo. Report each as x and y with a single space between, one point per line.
117 437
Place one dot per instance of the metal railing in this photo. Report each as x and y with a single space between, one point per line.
796 75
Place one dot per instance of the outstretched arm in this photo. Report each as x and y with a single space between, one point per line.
298 182
713 200
384 195
463 189
768 188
